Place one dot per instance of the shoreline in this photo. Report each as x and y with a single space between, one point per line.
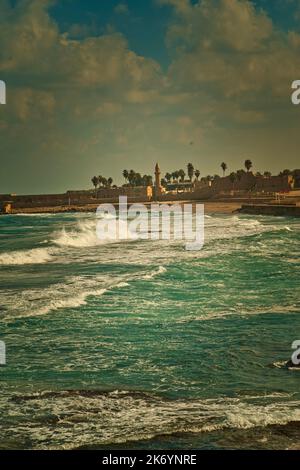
209 207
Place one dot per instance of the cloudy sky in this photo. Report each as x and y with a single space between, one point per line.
94 87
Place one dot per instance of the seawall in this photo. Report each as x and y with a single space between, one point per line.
290 210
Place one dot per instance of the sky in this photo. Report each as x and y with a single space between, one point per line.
95 87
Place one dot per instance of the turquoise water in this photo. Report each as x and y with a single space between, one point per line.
145 345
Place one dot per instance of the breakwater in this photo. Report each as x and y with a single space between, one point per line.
291 210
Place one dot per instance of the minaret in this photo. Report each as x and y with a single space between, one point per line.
157 180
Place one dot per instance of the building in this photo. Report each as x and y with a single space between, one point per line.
158 187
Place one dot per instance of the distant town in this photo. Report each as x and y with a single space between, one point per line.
240 188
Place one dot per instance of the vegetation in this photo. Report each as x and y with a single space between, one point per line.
191 171
100 181
248 165
135 179
224 167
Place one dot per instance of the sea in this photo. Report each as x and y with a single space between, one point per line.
144 345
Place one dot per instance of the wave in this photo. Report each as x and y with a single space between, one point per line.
157 272
242 312
72 293
102 418
33 256
85 235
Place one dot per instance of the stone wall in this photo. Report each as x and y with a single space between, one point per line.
139 194
271 209
250 182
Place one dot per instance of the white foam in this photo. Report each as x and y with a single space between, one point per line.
84 234
157 272
34 256
120 417
70 293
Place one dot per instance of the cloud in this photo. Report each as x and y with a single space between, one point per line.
80 101
43 58
231 50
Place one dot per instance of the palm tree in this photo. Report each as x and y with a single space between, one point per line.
138 180
190 169
197 174
125 174
95 181
168 177
224 167
248 165
149 180
131 177
181 175
175 175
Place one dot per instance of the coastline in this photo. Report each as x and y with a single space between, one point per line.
209 207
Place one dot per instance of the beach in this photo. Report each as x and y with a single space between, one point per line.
209 207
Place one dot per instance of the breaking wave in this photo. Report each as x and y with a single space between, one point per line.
34 256
91 417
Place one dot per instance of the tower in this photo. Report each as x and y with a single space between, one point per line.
157 180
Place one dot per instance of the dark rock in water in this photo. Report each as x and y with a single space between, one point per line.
292 365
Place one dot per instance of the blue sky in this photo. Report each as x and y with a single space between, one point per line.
98 86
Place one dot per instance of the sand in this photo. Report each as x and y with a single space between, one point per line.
215 207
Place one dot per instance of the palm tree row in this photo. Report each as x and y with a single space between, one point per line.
100 181
133 178
179 175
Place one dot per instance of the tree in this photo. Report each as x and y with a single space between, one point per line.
100 180
131 177
224 167
190 170
248 165
197 174
181 175
240 174
95 181
232 177
175 175
110 181
267 174
125 174
168 177
163 182
138 180
147 180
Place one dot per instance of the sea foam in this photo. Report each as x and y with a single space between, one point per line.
34 256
